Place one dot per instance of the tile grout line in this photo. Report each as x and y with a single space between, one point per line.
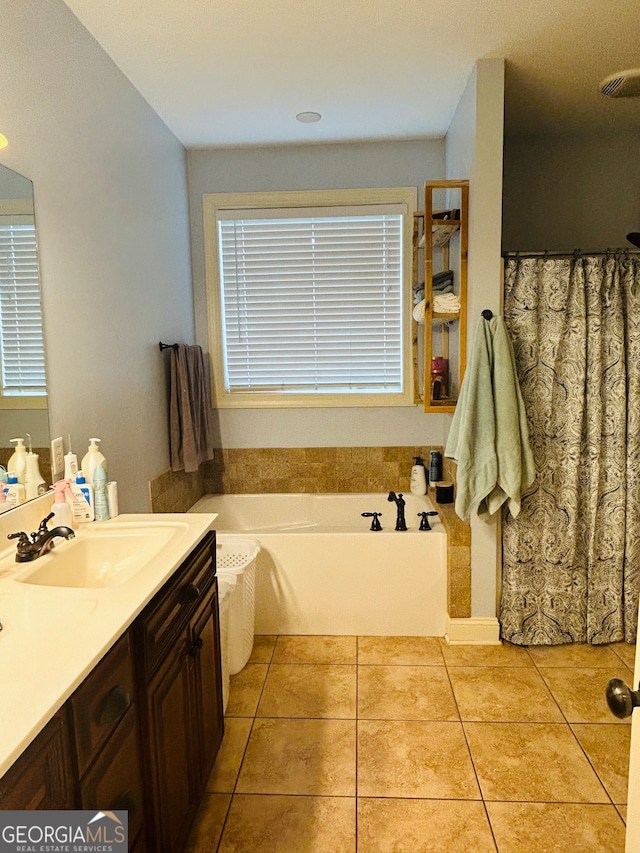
448 668
473 764
246 747
568 723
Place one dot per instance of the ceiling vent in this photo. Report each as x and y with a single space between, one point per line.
623 84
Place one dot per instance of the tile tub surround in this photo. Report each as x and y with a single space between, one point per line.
323 469
311 469
295 470
176 491
409 762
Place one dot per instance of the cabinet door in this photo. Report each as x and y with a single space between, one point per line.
168 730
115 779
204 649
101 701
42 777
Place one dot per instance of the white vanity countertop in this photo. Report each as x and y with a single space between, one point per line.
53 637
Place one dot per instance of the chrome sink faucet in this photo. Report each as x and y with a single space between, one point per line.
401 524
30 548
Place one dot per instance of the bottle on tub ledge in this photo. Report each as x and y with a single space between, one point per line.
419 479
435 467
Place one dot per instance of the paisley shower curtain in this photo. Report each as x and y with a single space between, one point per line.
571 560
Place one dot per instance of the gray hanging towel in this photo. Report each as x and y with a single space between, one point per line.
189 409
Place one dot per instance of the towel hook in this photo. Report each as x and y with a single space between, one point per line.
487 314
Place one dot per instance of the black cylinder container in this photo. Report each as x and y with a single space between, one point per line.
435 466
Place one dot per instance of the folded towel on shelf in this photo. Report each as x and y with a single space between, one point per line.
442 282
418 311
189 409
489 437
447 303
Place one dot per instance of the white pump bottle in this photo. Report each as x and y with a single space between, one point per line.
17 463
92 458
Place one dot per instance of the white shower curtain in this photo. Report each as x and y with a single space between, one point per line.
571 560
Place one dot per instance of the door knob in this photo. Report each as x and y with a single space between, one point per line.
621 699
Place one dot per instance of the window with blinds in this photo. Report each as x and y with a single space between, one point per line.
21 337
310 302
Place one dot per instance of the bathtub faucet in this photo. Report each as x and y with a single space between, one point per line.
401 524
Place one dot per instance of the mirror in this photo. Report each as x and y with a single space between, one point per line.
23 400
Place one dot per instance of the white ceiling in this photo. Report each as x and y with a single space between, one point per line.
236 72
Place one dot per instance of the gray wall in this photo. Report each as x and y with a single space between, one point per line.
301 167
111 212
570 192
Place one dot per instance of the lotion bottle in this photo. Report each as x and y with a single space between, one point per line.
14 491
92 459
418 477
82 505
17 463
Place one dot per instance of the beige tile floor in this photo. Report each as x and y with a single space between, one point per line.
407 745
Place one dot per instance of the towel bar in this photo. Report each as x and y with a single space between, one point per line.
167 346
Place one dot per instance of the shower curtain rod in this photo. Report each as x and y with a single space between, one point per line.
574 254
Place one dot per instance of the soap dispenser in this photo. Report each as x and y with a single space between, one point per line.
418 477
92 458
18 460
34 483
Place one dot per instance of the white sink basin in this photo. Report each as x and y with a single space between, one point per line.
97 558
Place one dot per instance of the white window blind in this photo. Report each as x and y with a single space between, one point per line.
21 338
311 303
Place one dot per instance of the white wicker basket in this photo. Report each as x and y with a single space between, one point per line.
226 586
236 556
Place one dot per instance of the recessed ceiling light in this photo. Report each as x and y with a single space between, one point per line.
308 118
3 141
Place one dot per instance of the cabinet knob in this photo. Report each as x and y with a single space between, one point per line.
126 801
621 699
115 704
190 593
195 646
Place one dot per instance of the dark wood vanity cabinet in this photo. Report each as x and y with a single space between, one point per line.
143 729
105 733
177 641
42 778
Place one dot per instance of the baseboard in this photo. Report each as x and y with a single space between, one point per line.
479 630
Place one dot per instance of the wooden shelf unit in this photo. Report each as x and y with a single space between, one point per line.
438 238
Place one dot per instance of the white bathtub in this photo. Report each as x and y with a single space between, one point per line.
322 571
